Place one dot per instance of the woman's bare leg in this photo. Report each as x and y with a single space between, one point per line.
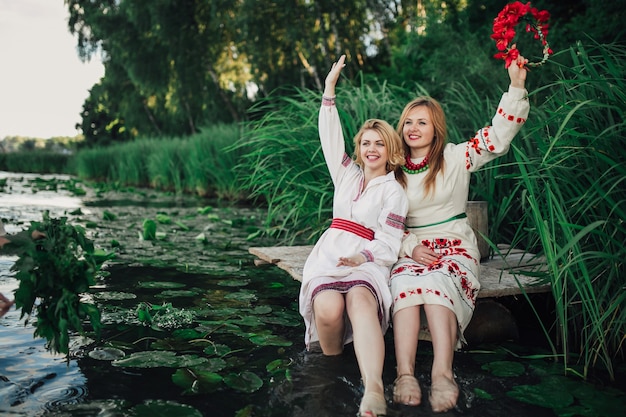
328 310
369 347
406 325
443 327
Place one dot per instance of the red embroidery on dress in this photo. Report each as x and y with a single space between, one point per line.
346 160
444 247
396 221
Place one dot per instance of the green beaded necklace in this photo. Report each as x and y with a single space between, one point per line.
410 168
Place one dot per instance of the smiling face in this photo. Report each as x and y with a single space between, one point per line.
418 131
373 152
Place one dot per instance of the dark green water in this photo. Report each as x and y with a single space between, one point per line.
230 342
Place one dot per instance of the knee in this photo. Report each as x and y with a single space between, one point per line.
327 314
360 299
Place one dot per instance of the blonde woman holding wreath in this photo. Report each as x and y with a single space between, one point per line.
345 295
435 282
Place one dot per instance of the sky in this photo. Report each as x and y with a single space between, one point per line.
43 82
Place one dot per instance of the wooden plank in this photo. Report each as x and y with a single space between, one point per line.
500 275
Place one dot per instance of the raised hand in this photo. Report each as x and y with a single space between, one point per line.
333 76
518 71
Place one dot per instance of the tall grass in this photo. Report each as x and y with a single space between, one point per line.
200 164
44 162
573 184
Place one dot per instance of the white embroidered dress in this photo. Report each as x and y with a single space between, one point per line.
380 207
452 281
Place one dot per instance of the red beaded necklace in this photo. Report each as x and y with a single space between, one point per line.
411 168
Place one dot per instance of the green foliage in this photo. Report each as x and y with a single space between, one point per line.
53 273
200 164
571 192
43 162
285 167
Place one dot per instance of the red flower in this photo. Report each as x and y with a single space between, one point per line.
504 31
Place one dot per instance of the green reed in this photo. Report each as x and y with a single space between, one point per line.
572 183
199 164
40 161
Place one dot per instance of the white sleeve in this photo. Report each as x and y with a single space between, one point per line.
494 140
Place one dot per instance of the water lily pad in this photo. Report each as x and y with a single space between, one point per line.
163 218
160 284
244 382
114 295
107 354
209 327
217 349
213 365
222 312
261 310
243 296
278 365
196 381
251 321
482 394
270 340
188 334
234 282
176 293
160 408
155 359
544 395
504 368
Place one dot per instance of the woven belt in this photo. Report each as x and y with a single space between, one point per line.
457 217
352 227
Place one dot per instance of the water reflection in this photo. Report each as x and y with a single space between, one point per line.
32 380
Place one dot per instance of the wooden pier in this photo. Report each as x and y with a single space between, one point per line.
500 275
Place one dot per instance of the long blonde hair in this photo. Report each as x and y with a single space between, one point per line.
393 143
435 154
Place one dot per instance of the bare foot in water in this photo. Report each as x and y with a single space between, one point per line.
373 404
444 394
406 390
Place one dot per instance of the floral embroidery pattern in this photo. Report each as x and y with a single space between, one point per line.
482 136
446 247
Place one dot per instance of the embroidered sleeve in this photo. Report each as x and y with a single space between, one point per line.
494 140
388 235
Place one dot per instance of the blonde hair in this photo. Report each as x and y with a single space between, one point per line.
435 154
393 143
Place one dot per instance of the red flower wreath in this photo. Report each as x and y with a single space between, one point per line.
504 31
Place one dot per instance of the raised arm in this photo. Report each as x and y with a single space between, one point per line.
333 77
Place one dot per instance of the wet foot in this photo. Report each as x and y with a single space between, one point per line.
406 390
444 394
373 404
